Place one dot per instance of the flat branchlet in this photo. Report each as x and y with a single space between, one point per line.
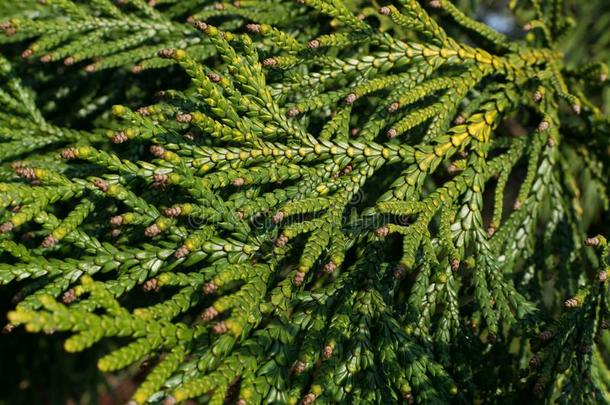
311 201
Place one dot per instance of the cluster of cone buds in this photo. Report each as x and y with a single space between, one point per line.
571 303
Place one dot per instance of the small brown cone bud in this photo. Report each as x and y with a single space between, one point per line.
115 233
351 98
602 276
151 285
385 10
281 241
219 6
172 212
253 28
116 221
49 241
214 77
576 108
238 182
308 399
137 69
119 137
8 328
382 232
101 184
91 68
459 120
535 362
181 252
452 169
160 180
392 133
435 3
329 267
69 296
298 367
220 327
68 153
538 388
209 288
313 44
298 278
166 53
69 61
545 336
538 96
25 172
517 204
184 118
543 126
399 271
490 231
327 351
209 314
157 151
270 62
152 231
571 303
393 107
278 217
293 112
594 242
27 53
170 401
200 25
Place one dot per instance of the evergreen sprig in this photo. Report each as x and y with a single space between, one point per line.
339 203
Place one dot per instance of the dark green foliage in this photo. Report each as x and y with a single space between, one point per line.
335 201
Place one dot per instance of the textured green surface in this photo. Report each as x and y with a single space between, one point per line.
335 201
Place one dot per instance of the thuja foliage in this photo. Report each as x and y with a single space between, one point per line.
320 201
